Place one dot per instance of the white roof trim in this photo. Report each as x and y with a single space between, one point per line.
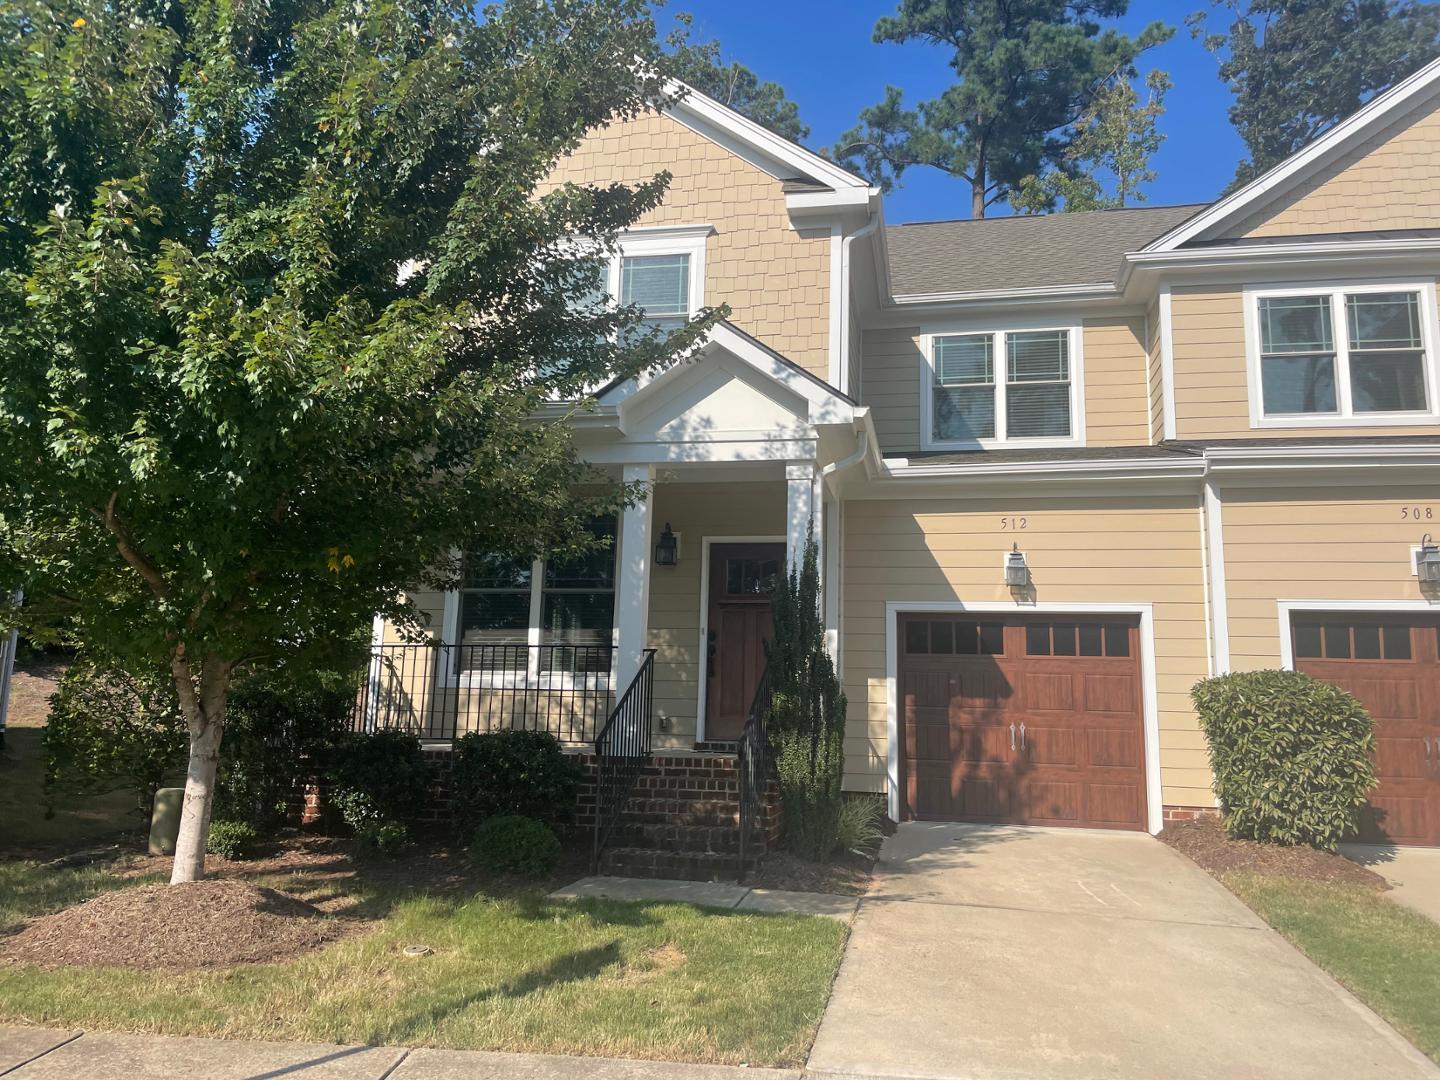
695 106
826 405
1335 141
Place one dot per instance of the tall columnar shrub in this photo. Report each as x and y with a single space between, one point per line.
807 714
1291 756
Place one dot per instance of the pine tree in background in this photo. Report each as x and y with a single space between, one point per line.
807 713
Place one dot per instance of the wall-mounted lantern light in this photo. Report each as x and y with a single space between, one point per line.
1427 562
1017 571
667 548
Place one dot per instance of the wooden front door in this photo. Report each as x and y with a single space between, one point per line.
1025 721
1393 666
742 578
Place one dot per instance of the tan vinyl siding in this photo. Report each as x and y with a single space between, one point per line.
1114 373
1211 378
1339 543
1116 382
1390 181
696 511
1111 549
891 365
1155 372
775 279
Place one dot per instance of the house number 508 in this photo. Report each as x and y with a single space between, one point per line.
1417 513
1014 524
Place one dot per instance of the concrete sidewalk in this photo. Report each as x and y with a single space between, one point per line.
1413 873
49 1054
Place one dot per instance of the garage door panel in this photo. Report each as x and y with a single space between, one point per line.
1115 694
1115 749
1042 724
1051 746
1391 664
1049 693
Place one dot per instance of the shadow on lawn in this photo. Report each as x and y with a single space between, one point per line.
573 967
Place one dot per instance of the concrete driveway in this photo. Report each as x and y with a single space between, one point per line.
999 953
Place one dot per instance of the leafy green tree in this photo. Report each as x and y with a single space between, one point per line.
807 713
282 288
702 65
1025 72
1297 67
1117 136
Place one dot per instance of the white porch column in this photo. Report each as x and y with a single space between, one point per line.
632 587
802 481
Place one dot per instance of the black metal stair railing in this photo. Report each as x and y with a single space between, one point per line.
753 764
622 752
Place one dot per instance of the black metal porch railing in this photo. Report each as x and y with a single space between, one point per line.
753 765
441 692
622 752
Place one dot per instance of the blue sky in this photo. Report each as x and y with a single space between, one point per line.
822 54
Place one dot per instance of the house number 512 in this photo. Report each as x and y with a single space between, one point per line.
1014 524
1417 513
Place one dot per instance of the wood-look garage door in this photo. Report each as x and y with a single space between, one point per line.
1393 666
1027 721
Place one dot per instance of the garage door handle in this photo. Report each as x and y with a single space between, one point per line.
1022 736
1012 736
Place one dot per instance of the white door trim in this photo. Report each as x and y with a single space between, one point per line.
1287 608
1154 807
702 665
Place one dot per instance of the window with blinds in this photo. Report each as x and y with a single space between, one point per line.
1002 386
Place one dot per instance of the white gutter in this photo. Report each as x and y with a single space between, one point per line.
1095 291
862 445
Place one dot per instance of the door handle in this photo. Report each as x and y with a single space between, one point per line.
1426 741
1022 736
1012 736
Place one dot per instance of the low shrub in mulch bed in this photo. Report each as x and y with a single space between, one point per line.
1206 844
202 924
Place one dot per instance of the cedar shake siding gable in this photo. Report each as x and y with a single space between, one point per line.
775 277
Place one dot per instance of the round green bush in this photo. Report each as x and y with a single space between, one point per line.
378 777
1291 756
516 845
386 837
522 773
231 839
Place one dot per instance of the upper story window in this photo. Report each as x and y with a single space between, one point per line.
660 284
1344 355
1000 387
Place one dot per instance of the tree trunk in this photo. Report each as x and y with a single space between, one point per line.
977 185
204 709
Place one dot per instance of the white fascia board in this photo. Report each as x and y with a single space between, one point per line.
808 203
1339 456
1334 142
1249 256
1020 471
1098 291
695 110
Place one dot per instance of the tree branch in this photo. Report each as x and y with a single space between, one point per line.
141 565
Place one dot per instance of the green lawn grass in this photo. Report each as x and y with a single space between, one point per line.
1385 954
666 981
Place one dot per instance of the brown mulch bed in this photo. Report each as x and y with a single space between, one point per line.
1205 843
36 678
203 924
847 874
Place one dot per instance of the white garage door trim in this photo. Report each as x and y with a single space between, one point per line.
1287 608
1155 816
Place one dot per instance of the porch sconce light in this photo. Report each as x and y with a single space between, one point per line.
1427 562
667 549
1017 571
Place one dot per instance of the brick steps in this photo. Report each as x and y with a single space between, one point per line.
711 839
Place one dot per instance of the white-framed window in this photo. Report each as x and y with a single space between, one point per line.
1351 354
662 270
1020 386
548 621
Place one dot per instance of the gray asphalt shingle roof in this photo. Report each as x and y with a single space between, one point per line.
1022 252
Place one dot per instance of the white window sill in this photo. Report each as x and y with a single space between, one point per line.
1330 420
1001 444
520 680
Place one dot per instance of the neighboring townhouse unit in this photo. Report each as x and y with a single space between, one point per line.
1060 469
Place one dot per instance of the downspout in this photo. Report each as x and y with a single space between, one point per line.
864 230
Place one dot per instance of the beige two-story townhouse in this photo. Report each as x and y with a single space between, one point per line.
1060 468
